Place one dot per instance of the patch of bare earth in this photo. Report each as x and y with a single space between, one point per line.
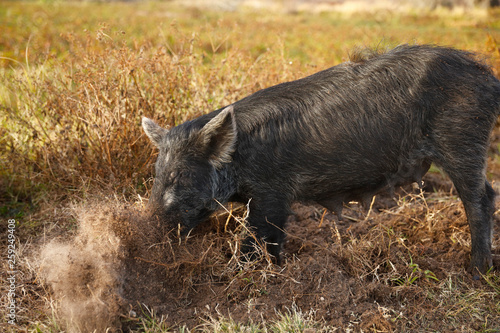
401 267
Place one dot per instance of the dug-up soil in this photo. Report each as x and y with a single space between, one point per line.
397 266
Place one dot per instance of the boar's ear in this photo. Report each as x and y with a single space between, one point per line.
153 131
218 137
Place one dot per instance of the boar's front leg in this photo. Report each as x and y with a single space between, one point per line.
266 220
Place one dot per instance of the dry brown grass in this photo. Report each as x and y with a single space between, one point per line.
401 269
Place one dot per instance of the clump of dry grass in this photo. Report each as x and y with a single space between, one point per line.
76 124
84 127
386 253
417 252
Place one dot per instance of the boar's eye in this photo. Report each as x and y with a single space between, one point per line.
172 176
178 177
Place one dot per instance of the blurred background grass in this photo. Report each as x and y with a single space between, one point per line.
76 78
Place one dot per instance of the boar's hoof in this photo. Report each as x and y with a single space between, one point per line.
252 250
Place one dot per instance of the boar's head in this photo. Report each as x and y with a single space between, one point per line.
191 159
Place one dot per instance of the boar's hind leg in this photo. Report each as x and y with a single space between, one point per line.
480 216
266 220
467 171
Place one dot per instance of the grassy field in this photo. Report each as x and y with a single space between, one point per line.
75 166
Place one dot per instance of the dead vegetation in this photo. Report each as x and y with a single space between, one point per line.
401 269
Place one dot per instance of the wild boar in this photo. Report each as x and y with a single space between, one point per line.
344 133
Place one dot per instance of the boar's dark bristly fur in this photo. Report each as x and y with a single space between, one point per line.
345 133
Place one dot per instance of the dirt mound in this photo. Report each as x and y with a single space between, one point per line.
84 272
367 272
